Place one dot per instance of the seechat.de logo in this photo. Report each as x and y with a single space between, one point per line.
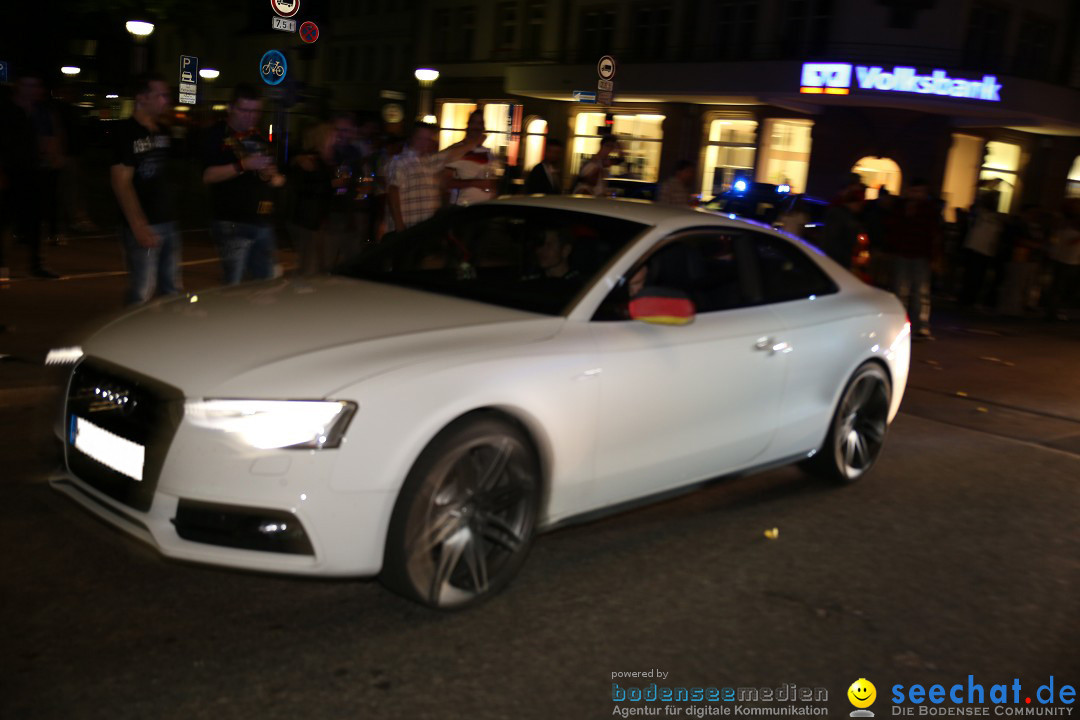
828 78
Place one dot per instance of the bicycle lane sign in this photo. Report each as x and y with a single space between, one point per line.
272 67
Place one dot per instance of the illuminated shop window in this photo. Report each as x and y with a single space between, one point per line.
1072 185
961 174
502 122
729 153
1001 162
875 172
785 153
535 137
640 138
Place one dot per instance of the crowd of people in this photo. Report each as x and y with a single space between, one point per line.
349 186
1014 265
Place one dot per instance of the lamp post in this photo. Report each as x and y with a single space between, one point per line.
209 74
139 30
70 70
426 77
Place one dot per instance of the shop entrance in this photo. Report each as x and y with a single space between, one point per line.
877 172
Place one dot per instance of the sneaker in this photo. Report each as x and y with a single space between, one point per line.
45 273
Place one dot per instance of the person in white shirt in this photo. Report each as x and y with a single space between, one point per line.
474 178
592 180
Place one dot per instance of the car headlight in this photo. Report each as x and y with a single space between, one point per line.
268 424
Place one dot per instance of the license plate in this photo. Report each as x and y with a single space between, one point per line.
109 449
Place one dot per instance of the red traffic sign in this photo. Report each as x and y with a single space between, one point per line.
285 8
309 32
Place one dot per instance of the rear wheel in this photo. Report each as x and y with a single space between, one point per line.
857 433
466 516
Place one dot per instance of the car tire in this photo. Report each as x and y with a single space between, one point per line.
857 432
466 515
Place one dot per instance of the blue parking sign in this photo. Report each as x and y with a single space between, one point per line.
272 67
189 69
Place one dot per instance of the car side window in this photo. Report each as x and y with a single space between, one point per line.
704 265
786 273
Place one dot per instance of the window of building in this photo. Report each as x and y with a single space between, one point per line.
734 25
877 172
651 24
440 20
535 140
785 153
1001 163
1072 184
350 64
729 153
332 65
1034 47
804 27
987 28
597 32
466 34
640 138
534 29
506 26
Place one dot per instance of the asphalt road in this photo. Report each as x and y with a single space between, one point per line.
959 555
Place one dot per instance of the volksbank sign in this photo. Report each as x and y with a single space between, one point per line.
835 79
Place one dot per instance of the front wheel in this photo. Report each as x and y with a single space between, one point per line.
466 515
857 433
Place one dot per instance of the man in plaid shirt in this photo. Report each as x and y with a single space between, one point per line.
415 189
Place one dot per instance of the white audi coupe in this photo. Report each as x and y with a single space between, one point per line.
498 370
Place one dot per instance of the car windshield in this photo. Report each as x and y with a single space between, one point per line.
528 258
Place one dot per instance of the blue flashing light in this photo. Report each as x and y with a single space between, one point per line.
783 188
739 186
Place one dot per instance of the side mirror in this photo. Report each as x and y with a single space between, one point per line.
662 306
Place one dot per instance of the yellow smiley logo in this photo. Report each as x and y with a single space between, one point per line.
862 693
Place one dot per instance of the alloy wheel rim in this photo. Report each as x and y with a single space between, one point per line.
475 515
863 422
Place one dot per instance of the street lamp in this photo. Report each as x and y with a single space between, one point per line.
209 73
139 32
70 70
138 28
426 77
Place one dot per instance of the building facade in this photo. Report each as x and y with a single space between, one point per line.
956 92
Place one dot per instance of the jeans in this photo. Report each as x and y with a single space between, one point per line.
153 268
244 248
911 283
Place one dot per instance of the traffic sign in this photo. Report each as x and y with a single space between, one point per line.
605 85
604 97
3 71
189 69
309 32
605 68
272 67
285 8
284 24
187 99
585 96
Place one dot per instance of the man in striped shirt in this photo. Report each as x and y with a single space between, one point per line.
415 187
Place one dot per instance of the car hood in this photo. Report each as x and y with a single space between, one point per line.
303 338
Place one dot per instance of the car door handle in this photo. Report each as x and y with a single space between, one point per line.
772 345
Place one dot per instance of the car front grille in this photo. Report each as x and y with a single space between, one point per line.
127 409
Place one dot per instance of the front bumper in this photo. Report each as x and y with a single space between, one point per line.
207 498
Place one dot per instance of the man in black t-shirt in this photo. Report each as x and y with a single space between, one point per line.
141 183
240 172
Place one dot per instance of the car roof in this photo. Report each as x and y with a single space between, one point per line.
645 212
